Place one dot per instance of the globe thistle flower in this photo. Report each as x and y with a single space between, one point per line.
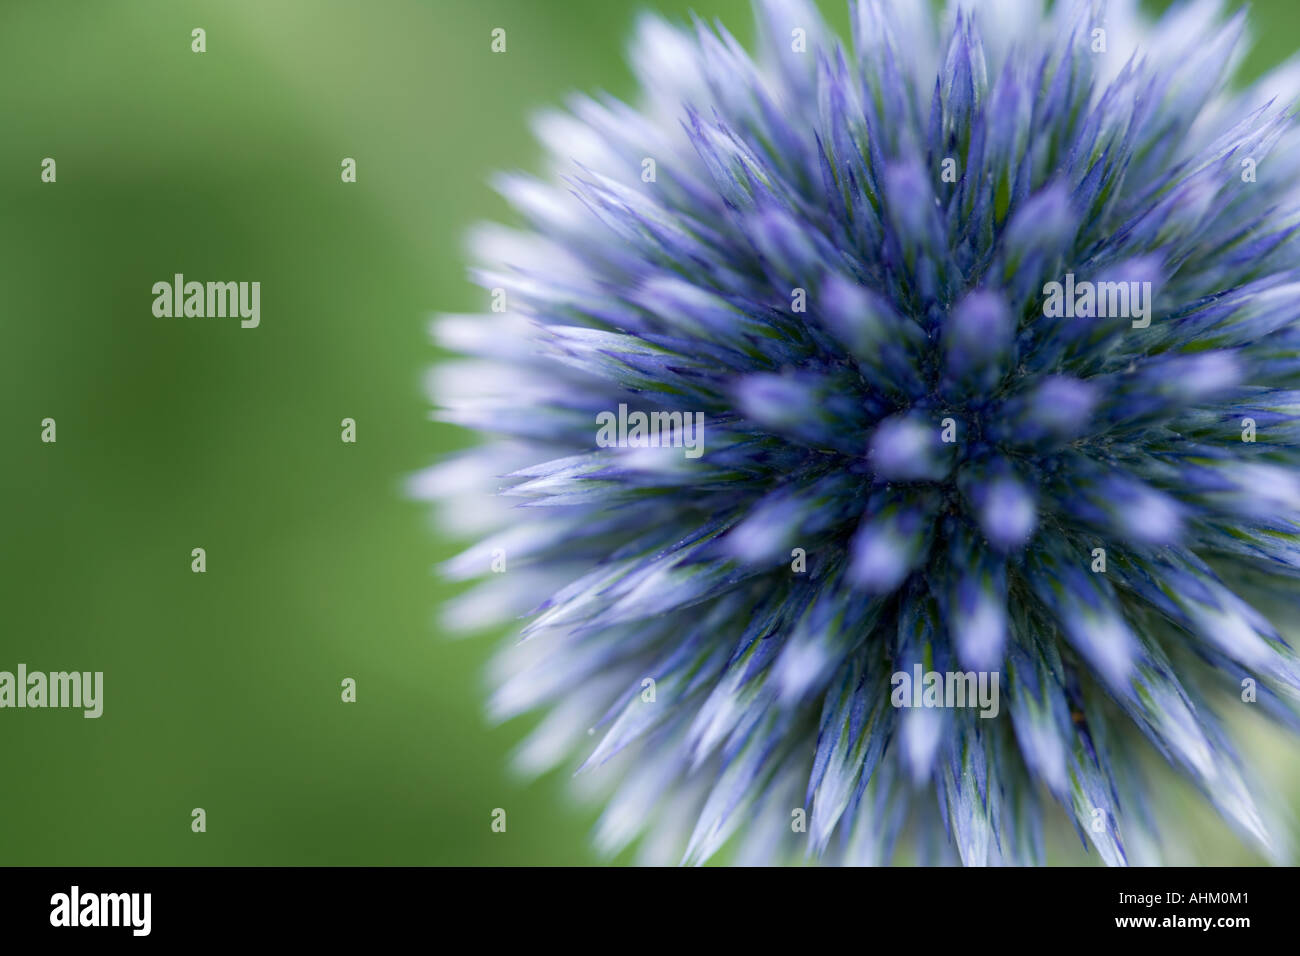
968 347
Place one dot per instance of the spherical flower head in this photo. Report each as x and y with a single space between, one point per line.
894 436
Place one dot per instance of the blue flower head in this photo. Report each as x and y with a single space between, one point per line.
832 388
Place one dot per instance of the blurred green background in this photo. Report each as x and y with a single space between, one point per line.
222 690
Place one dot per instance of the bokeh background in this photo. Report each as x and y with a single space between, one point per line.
222 690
